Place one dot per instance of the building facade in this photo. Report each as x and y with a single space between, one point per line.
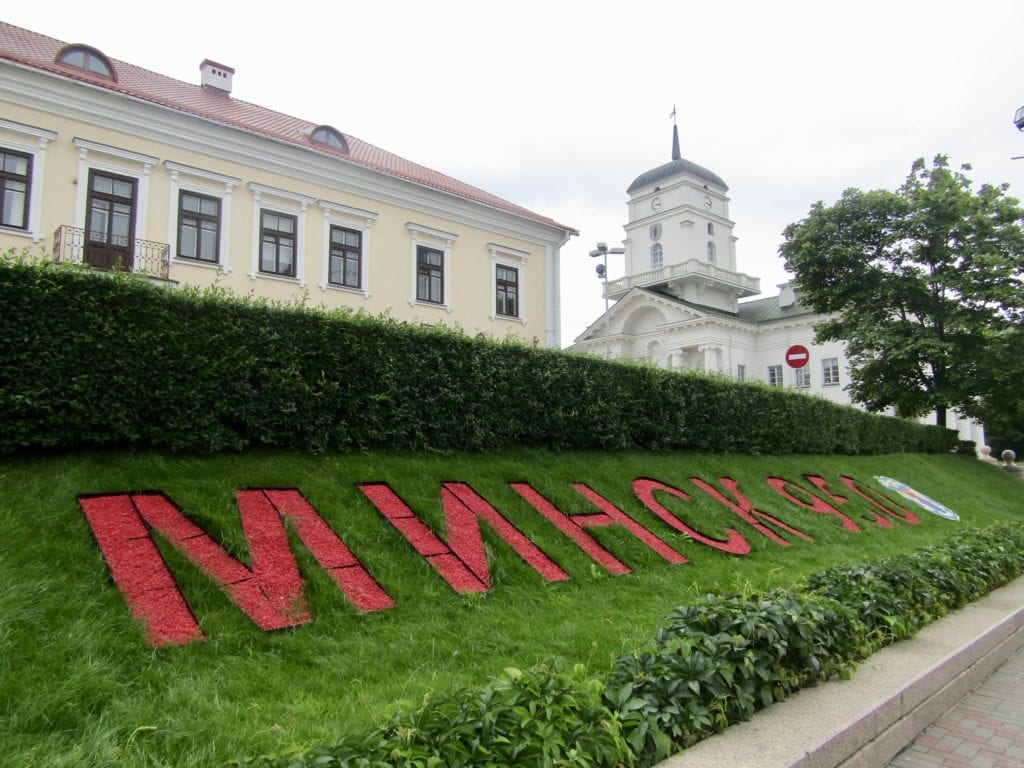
683 304
117 167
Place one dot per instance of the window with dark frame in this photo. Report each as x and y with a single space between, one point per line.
277 243
88 59
506 290
429 275
325 134
198 227
110 221
346 257
15 177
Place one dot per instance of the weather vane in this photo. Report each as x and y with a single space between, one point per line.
673 114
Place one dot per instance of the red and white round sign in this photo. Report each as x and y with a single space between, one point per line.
797 356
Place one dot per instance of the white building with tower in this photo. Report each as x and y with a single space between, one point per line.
684 304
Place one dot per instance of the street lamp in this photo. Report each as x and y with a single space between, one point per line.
603 250
1018 120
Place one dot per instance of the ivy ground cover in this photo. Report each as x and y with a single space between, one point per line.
82 681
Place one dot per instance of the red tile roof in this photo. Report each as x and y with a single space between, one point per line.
39 51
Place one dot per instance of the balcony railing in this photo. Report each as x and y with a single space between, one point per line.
690 269
145 257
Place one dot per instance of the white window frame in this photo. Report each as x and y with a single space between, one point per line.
31 141
122 162
775 376
281 201
350 218
438 240
802 377
185 178
830 372
511 259
741 372
657 249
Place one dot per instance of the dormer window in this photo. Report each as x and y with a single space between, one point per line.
325 134
88 59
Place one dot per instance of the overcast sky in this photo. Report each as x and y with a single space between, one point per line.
559 105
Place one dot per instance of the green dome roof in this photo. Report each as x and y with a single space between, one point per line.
674 168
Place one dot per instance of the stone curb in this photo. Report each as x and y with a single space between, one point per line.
893 696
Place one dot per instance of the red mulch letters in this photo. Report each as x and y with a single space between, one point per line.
270 591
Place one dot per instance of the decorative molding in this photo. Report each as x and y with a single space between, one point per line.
511 259
41 135
85 147
294 205
302 201
497 250
178 169
221 188
420 229
102 157
37 150
351 218
435 238
367 217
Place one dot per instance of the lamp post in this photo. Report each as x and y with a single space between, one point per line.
1018 120
603 250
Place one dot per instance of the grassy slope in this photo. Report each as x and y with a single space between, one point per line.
79 687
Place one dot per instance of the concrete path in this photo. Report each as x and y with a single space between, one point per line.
893 697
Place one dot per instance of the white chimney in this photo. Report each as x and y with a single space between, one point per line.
787 295
216 76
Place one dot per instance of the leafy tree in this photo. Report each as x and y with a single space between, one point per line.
920 283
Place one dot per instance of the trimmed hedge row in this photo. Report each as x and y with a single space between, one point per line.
715 663
92 359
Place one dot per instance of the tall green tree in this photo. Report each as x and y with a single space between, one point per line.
922 284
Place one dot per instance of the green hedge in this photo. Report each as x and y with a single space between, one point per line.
715 663
91 359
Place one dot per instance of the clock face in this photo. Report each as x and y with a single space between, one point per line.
707 202
656 204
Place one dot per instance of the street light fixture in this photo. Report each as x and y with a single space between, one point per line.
1018 120
603 250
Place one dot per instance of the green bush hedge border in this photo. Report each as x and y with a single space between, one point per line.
108 359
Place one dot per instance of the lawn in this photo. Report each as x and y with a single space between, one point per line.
80 685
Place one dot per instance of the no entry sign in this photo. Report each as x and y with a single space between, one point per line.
797 356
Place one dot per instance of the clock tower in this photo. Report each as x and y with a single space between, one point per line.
679 236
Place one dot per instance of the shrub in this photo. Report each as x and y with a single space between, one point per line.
714 663
94 359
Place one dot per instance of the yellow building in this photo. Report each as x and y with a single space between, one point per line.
108 164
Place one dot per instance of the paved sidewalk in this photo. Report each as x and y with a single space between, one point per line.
985 730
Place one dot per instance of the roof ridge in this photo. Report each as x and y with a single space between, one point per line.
37 51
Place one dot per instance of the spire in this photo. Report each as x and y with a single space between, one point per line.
676 154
